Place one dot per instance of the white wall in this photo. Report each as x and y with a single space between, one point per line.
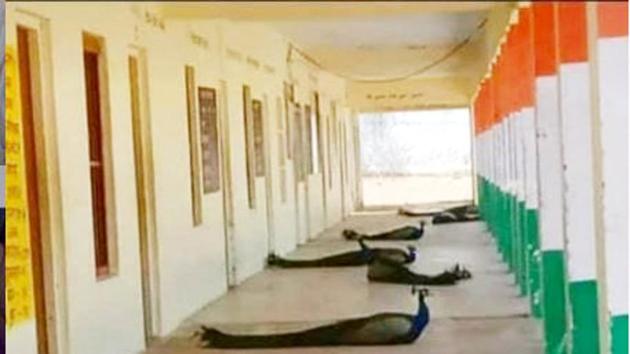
191 260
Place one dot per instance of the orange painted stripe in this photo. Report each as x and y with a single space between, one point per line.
526 21
476 112
572 42
498 89
510 81
489 103
612 19
486 122
544 38
518 65
479 110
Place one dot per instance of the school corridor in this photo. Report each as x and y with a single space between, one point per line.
159 154
472 316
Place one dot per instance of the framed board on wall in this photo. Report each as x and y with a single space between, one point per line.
209 139
288 102
259 142
249 146
298 142
308 139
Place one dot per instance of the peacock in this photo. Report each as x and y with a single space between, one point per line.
378 329
457 214
383 270
406 233
348 259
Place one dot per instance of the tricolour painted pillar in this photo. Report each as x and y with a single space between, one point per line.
516 122
530 216
611 95
550 181
577 154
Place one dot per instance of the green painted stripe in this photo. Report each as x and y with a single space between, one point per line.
584 311
619 334
554 301
523 246
507 230
533 248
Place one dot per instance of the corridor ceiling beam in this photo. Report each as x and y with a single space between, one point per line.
301 10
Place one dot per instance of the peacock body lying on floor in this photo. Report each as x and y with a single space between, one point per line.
457 214
382 270
348 259
378 329
406 233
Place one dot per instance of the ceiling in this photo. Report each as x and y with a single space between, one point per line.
386 47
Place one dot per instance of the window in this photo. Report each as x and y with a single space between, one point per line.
318 135
101 176
209 139
332 139
193 146
288 109
298 143
280 108
259 138
249 146
308 135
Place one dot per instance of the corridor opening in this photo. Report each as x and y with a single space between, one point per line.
415 157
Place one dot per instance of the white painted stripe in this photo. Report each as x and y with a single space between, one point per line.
488 153
516 155
506 156
520 156
478 169
531 168
507 123
481 155
512 123
500 149
548 142
509 167
496 155
486 156
613 110
577 152
491 154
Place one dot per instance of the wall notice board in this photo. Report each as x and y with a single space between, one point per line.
209 139
19 283
259 138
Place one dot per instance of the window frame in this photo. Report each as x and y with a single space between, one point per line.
101 135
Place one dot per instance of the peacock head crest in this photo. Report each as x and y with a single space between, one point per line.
421 292
413 252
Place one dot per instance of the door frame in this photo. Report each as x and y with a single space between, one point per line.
145 189
47 177
267 134
226 181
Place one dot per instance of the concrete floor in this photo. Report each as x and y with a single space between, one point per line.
483 315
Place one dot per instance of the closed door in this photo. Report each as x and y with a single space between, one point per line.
28 62
144 191
226 181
